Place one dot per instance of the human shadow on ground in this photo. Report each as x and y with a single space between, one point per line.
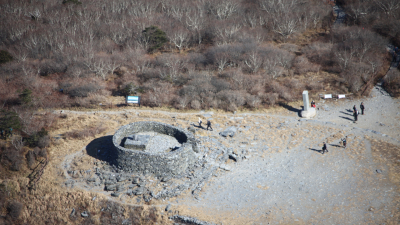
349 114
198 126
347 118
290 108
335 145
316 150
102 148
349 110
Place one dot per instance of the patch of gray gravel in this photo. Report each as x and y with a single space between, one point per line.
301 184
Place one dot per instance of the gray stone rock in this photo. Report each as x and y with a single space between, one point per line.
120 179
93 179
233 156
135 180
230 131
379 171
73 212
225 167
131 186
168 207
115 194
84 214
139 191
111 187
165 179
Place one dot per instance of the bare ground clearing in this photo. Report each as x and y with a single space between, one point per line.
283 178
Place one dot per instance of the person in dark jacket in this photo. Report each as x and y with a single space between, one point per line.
362 108
324 148
355 114
344 140
209 125
354 108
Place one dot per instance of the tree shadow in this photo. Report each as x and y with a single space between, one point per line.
316 150
349 114
102 148
347 118
291 108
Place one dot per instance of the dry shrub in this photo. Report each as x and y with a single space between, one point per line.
392 82
314 86
14 209
270 98
195 104
87 132
44 142
95 99
253 101
30 159
302 65
319 53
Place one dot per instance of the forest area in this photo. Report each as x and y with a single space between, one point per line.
197 54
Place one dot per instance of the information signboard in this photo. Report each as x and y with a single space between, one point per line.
133 99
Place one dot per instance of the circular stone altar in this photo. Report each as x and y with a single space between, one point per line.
154 148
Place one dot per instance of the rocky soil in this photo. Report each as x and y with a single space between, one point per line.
260 168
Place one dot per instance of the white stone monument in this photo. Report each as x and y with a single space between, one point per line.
308 111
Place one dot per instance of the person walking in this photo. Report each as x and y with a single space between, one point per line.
362 108
354 108
324 148
355 114
200 121
209 125
344 140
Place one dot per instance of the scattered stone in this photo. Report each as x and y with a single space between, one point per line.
120 179
225 167
168 207
230 131
188 220
73 212
93 179
371 209
233 156
111 187
139 191
165 179
135 180
115 194
379 171
84 214
192 129
131 186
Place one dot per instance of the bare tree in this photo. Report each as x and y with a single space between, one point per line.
174 63
195 21
389 7
223 9
179 36
254 61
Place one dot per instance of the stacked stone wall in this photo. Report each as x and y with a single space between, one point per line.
159 164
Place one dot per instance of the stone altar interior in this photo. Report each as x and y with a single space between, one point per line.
151 142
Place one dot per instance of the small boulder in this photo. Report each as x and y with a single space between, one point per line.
230 131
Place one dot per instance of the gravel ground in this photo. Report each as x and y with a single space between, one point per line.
281 176
290 181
